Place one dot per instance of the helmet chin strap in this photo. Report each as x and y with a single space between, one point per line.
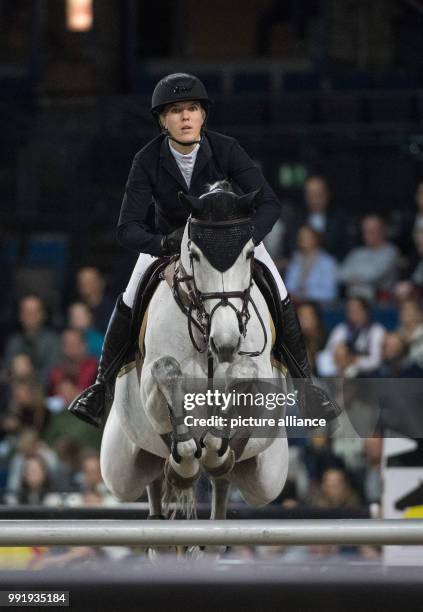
183 144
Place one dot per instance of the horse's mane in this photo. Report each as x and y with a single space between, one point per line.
220 203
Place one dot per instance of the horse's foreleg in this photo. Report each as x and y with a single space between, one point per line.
185 450
154 492
220 496
218 458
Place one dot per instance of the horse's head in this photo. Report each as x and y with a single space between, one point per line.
218 251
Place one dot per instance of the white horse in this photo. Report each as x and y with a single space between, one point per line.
214 317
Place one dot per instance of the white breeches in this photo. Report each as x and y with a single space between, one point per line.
144 261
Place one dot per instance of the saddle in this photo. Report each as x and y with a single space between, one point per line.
163 268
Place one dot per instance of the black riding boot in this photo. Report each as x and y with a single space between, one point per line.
293 341
90 405
313 400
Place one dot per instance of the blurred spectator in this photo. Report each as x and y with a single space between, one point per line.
68 451
394 351
89 477
334 224
373 474
35 483
412 286
372 267
313 329
335 490
411 330
37 341
21 367
91 287
311 273
319 457
353 347
30 445
28 405
75 364
80 317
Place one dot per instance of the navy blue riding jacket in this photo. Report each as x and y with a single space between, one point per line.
155 179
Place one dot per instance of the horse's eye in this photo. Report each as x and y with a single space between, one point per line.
194 256
250 254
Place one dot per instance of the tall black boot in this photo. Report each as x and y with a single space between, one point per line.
90 405
313 400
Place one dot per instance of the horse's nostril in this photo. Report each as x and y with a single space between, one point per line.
226 353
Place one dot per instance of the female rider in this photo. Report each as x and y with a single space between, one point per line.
184 157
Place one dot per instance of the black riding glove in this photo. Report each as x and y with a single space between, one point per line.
171 244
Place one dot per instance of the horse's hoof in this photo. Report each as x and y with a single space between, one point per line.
178 481
223 469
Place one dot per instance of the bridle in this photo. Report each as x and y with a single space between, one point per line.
192 300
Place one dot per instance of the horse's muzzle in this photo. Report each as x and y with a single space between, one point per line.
225 353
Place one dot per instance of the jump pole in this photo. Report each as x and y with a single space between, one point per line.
202 533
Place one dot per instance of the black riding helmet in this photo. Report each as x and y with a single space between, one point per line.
178 87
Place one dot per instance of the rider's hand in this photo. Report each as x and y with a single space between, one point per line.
171 244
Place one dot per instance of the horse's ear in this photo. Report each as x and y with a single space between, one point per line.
246 202
191 203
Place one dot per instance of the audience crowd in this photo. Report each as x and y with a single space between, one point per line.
357 284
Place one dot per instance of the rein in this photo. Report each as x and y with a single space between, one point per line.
192 303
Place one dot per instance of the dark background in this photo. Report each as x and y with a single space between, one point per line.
320 85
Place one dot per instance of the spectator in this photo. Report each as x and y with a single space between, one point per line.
28 405
394 351
411 331
89 477
311 274
29 445
356 344
313 329
318 457
91 290
372 267
80 317
21 367
334 224
413 285
75 363
335 490
35 486
37 341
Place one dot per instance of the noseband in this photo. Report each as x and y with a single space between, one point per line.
192 301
